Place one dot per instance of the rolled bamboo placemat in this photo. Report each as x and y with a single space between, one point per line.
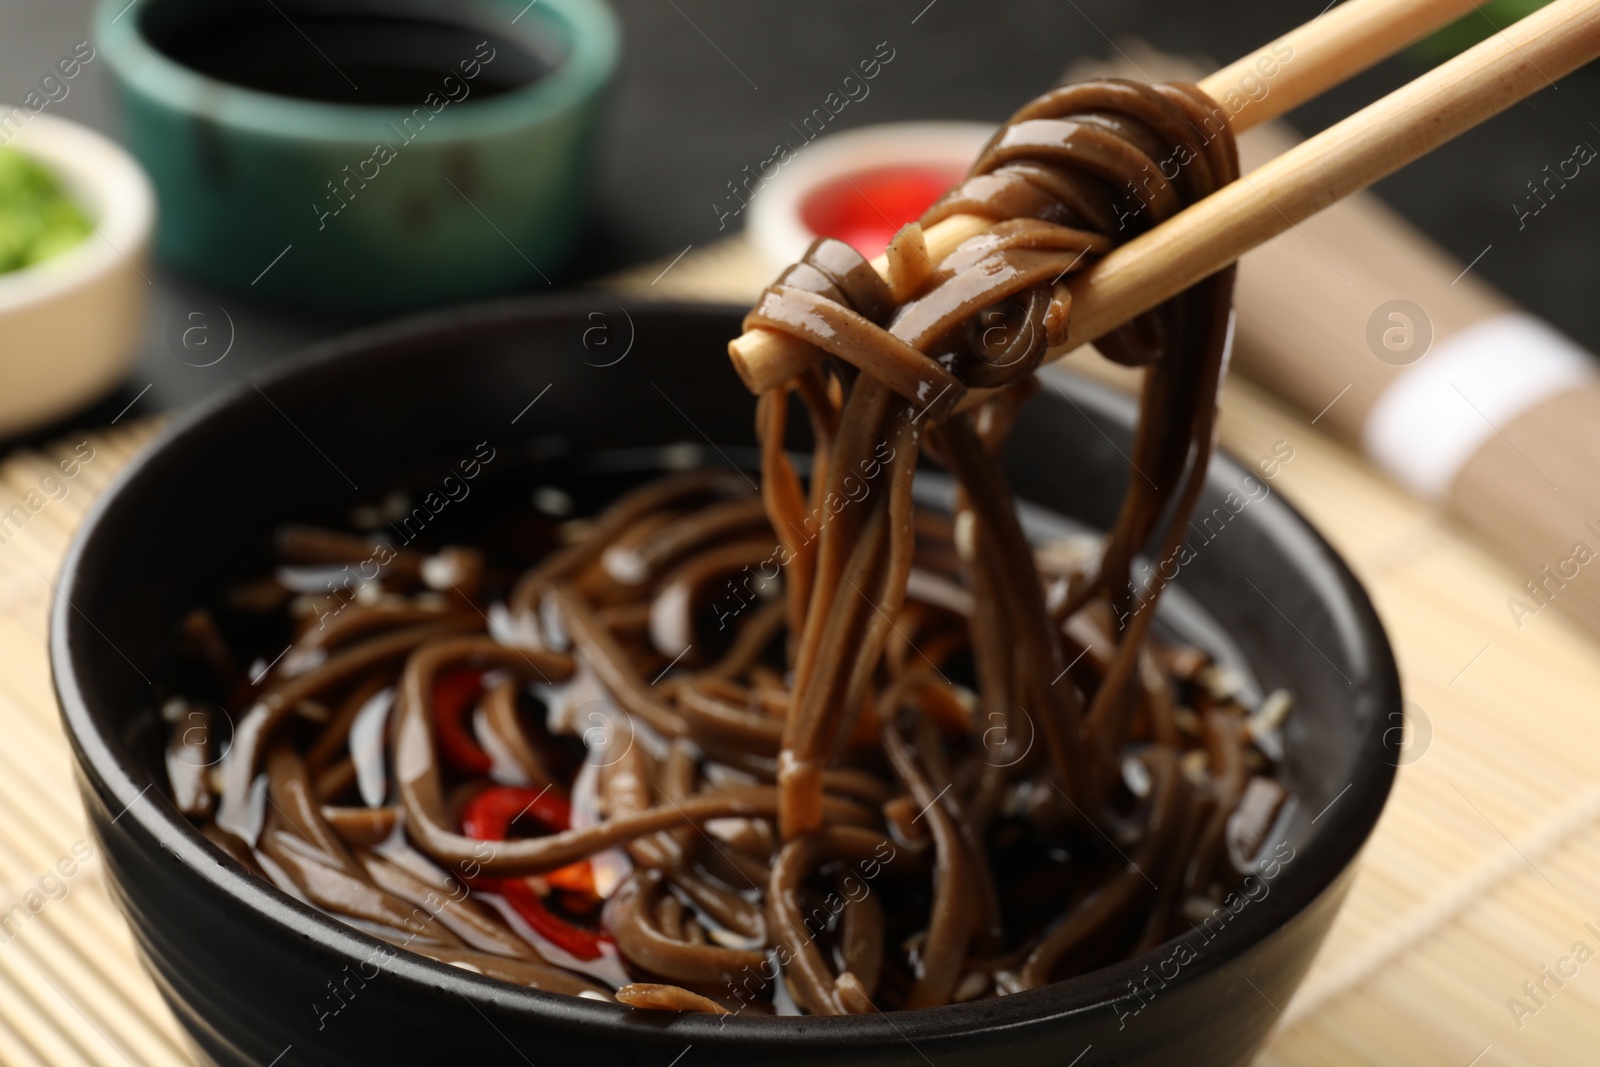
1469 402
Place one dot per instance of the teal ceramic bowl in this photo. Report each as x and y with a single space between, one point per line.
391 154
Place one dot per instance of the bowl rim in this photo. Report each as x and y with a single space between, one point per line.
1346 823
121 209
587 29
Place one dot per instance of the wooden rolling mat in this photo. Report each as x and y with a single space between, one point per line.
1485 867
71 991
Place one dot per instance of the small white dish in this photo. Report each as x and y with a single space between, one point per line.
777 226
70 326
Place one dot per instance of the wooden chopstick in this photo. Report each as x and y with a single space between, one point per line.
1328 51
1373 143
1345 158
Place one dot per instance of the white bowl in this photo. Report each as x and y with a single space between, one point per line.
70 326
776 227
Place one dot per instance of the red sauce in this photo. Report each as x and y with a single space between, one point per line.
868 208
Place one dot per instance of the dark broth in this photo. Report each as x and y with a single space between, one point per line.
368 60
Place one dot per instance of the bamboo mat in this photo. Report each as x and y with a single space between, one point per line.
1485 866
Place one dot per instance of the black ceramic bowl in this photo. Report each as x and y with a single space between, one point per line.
248 970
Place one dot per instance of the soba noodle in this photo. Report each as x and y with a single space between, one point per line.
908 761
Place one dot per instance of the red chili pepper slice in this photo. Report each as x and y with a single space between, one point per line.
580 942
488 817
453 695
575 879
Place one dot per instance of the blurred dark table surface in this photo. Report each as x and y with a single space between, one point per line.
708 86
